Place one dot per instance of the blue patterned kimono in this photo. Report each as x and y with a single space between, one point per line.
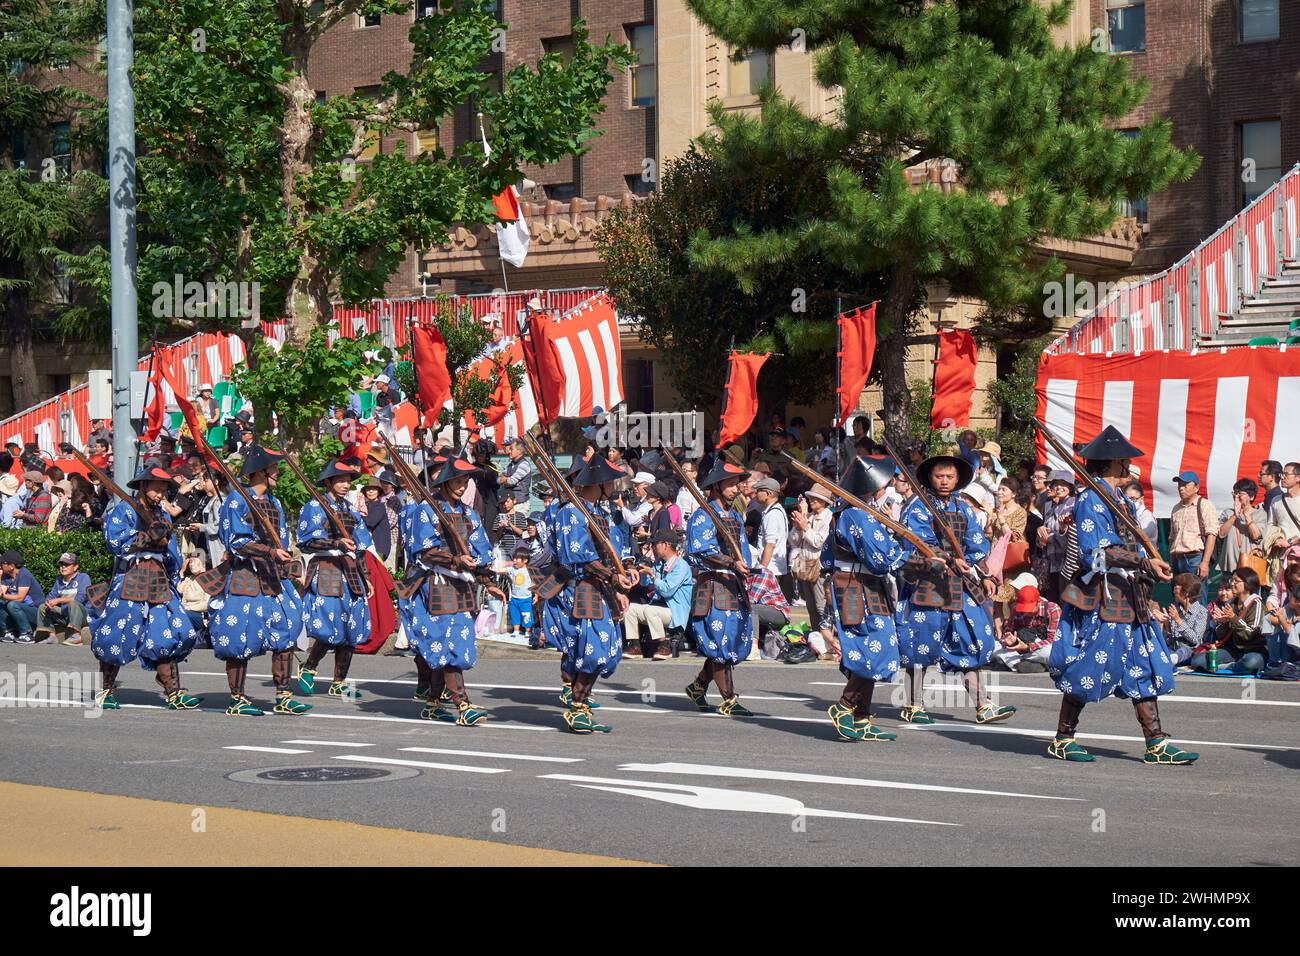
126 629
243 626
443 640
557 612
1091 658
724 636
334 620
589 646
870 648
958 640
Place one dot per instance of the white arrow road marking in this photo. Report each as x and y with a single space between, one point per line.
705 770
735 801
488 753
360 758
1048 734
268 750
425 723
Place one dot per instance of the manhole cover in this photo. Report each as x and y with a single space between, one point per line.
309 775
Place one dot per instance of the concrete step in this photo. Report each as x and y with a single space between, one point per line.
1206 344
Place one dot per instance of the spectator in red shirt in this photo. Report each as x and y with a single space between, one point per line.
1028 633
101 457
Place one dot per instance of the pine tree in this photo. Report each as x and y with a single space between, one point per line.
43 209
976 85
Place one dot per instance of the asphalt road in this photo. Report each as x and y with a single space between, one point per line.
670 785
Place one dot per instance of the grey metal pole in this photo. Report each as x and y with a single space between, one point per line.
121 230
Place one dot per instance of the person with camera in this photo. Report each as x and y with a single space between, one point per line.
667 609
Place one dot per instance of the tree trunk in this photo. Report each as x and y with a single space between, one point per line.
895 315
17 318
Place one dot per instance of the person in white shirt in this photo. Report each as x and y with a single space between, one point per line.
774 531
811 527
1145 519
686 500
636 515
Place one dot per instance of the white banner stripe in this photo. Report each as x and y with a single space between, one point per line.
1171 439
571 404
236 350
1060 416
1229 432
613 367
1117 407
527 403
597 373
213 357
1286 436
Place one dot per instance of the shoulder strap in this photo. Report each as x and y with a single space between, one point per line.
1290 513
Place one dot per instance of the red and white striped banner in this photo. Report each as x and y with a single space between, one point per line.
1218 414
580 360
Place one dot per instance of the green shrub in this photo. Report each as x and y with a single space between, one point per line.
41 550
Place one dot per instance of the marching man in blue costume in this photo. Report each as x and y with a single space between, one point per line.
255 608
1107 642
860 555
334 601
946 620
436 600
406 519
720 617
593 641
141 614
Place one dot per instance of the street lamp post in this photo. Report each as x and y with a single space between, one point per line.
121 228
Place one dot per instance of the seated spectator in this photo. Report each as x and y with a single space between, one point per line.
521 592
1029 631
101 457
64 608
20 596
1186 621
666 615
193 598
61 494
36 510
1238 627
1282 620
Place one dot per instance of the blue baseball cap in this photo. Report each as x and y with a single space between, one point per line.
1188 478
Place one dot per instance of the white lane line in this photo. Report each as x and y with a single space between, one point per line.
268 750
705 770
361 758
488 753
426 723
1053 692
732 801
327 743
538 687
1046 734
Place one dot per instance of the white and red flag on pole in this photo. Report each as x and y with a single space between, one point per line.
512 229
1218 414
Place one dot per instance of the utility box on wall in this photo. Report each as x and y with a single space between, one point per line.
99 384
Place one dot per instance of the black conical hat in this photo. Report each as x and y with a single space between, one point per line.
150 473
866 475
455 467
1110 445
575 466
341 467
259 459
596 471
722 471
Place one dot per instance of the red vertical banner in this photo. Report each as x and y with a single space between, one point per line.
429 355
155 409
741 400
857 351
954 380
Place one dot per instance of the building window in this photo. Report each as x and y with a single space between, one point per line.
1134 207
561 192
561 45
61 147
18 148
321 97
368 20
426 141
1127 22
638 185
425 8
644 78
1261 158
747 71
1260 20
61 285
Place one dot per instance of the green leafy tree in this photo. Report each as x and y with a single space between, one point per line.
1013 399
692 308
43 209
1018 124
246 178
